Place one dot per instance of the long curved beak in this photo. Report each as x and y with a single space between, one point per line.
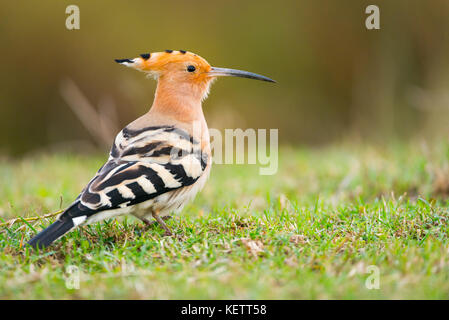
225 72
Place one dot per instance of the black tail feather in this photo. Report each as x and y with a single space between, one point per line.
44 238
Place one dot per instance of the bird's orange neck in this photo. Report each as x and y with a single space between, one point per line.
179 100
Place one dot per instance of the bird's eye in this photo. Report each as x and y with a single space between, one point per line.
191 68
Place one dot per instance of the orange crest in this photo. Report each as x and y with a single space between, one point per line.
178 64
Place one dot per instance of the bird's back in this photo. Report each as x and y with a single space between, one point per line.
144 165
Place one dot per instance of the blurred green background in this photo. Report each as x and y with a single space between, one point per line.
336 79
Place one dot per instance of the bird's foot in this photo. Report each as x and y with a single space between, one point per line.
161 222
150 223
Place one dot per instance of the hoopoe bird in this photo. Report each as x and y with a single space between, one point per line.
158 162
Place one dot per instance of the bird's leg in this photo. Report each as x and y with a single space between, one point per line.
149 223
162 223
166 217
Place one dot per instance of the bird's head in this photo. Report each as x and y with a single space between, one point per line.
183 70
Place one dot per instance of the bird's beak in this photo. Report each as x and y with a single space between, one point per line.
223 72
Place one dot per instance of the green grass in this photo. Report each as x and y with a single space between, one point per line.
310 231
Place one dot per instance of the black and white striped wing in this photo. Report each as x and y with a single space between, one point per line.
142 165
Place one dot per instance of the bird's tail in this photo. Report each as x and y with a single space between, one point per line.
61 226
